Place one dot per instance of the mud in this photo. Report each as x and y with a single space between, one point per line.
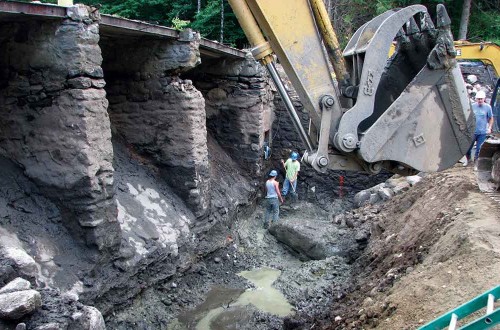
427 234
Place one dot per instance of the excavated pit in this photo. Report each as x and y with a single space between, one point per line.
131 184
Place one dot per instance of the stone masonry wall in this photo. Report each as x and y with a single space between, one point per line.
54 121
159 114
239 106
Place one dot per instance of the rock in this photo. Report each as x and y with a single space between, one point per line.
385 193
391 183
403 186
77 13
376 229
51 326
362 236
338 219
15 305
80 82
413 179
217 260
19 284
88 318
11 248
21 326
71 296
312 239
367 302
374 198
361 198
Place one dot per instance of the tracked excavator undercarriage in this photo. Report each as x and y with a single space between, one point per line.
488 162
406 113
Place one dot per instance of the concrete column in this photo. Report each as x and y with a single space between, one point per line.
160 115
54 121
239 108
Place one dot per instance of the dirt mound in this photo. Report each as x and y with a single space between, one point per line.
431 249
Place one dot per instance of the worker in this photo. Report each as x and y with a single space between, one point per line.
273 199
484 124
292 168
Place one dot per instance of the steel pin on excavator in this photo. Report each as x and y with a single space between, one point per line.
407 113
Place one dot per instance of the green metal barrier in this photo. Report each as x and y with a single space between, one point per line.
487 321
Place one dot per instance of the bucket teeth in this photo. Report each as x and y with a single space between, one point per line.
443 20
411 109
413 29
426 23
443 54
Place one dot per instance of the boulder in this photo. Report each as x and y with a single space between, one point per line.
385 193
361 198
18 284
413 179
15 305
89 318
403 186
313 239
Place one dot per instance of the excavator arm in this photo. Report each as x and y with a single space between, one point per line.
404 113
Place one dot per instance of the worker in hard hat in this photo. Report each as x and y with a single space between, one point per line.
272 200
484 124
292 168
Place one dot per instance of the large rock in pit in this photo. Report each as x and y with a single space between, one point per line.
15 305
89 318
314 239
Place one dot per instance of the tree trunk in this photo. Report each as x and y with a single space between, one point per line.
199 7
221 21
464 21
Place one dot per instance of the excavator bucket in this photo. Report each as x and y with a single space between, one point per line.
411 110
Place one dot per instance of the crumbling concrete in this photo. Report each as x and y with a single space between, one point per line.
160 115
54 120
239 106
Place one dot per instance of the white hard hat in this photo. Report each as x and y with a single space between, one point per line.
480 95
471 78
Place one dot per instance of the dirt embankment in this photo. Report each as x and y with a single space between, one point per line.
431 249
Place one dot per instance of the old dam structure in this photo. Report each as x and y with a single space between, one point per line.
127 152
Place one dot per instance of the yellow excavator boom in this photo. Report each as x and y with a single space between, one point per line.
406 113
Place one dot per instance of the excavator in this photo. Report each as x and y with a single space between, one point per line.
405 113
485 56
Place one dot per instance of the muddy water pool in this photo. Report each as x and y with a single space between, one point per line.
226 308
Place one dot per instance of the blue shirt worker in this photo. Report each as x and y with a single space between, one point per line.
292 168
484 124
273 197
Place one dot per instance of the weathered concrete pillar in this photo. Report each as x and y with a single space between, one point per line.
240 109
159 114
54 121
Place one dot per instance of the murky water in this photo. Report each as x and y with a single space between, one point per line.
227 308
265 297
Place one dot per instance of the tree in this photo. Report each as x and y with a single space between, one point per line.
464 21
221 39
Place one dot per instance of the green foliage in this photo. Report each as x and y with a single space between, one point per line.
179 24
208 22
486 26
348 15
